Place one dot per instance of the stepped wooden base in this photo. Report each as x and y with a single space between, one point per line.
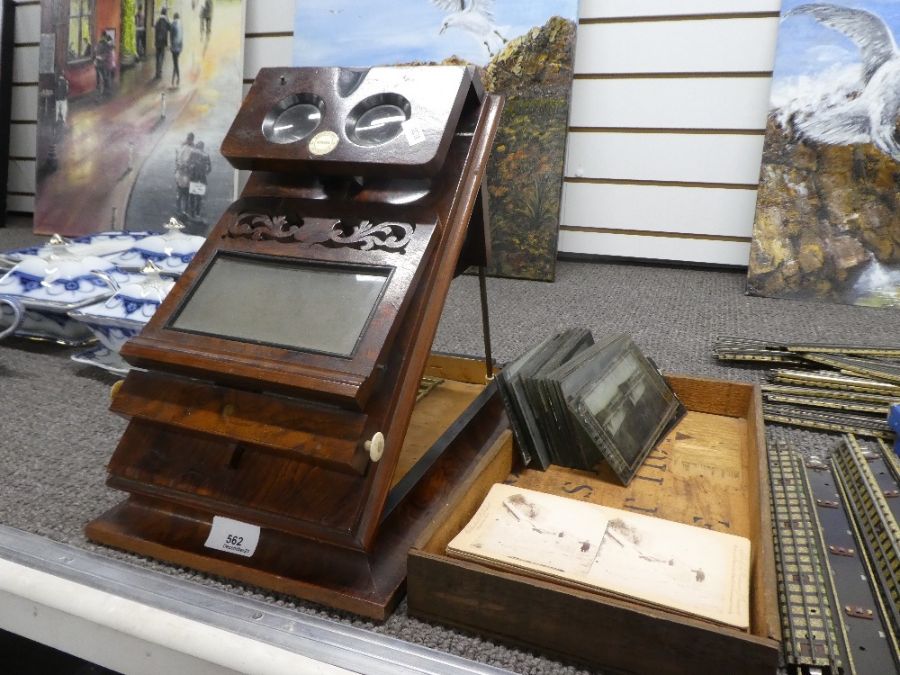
366 583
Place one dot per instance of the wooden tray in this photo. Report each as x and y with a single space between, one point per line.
711 471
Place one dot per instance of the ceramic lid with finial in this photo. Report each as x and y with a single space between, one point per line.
100 244
171 251
61 281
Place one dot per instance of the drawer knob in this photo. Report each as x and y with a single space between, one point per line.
375 446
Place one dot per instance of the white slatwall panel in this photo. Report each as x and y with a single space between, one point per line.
23 143
269 43
20 203
24 103
21 176
613 9
709 251
667 126
725 45
266 52
269 16
28 21
655 208
742 103
20 185
704 158
25 62
24 108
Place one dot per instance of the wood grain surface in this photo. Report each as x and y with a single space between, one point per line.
281 438
709 472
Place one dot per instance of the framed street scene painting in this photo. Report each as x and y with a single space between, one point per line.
525 49
827 218
135 97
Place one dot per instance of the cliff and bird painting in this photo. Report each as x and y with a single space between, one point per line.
827 219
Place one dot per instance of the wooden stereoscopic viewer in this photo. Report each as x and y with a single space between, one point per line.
274 433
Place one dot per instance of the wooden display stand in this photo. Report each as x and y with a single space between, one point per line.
364 202
711 471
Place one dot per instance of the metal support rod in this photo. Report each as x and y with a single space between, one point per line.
485 322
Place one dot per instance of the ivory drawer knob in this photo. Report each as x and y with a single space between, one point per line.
375 446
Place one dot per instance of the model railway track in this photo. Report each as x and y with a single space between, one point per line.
724 342
832 380
737 343
813 631
759 355
827 421
891 459
737 349
732 348
828 403
885 401
879 533
854 350
880 370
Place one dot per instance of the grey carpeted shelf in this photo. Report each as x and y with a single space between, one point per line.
56 433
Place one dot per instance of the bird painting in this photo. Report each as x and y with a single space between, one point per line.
870 113
828 203
476 17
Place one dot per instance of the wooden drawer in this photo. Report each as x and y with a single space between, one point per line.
711 471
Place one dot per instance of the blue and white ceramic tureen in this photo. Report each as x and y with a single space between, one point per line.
122 316
171 251
48 288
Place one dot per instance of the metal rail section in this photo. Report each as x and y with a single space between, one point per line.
879 370
812 626
759 356
855 350
836 394
828 403
891 459
811 419
879 533
833 380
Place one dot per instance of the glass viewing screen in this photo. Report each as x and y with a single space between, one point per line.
298 306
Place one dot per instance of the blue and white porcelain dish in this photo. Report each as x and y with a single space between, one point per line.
115 320
11 315
48 289
100 244
111 337
101 357
35 324
172 252
61 282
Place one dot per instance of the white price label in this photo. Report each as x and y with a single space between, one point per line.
414 133
233 536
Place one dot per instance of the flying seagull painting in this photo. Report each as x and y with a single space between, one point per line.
828 210
524 50
871 116
475 17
